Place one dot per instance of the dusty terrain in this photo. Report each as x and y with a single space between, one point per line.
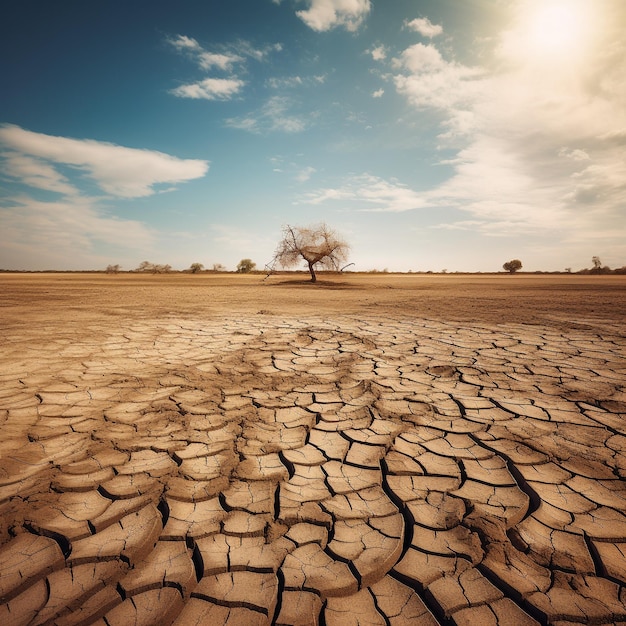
368 450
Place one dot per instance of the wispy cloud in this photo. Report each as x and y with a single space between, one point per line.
323 15
210 89
35 173
206 60
297 171
275 115
424 27
305 174
370 193
118 170
285 82
65 234
223 59
185 44
539 134
39 232
259 54
75 222
538 128
231 241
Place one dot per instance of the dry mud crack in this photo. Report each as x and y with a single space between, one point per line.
313 471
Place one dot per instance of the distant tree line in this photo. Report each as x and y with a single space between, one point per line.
321 246
598 268
146 267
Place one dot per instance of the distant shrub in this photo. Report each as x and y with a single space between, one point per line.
512 266
146 266
246 266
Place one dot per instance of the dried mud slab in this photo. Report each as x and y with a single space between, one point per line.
267 470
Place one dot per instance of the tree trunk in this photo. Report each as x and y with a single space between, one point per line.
313 276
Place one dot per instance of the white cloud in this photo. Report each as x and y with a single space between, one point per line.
184 43
379 53
225 57
280 83
370 193
428 80
540 128
224 60
468 225
207 60
259 54
35 173
210 89
305 174
120 171
273 116
293 169
323 15
420 58
65 235
539 136
424 27
378 93
577 154
250 123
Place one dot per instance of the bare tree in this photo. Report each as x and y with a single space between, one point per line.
315 245
196 267
597 264
145 266
113 269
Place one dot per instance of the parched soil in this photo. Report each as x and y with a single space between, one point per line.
561 300
372 449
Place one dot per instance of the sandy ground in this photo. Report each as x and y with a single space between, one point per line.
220 449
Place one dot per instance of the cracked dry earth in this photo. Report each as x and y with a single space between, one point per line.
347 470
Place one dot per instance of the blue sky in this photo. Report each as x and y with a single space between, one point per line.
431 134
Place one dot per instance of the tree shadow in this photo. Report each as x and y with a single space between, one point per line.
319 284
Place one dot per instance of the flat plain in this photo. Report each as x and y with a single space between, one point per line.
373 449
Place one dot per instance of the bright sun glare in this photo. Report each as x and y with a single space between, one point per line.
558 27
